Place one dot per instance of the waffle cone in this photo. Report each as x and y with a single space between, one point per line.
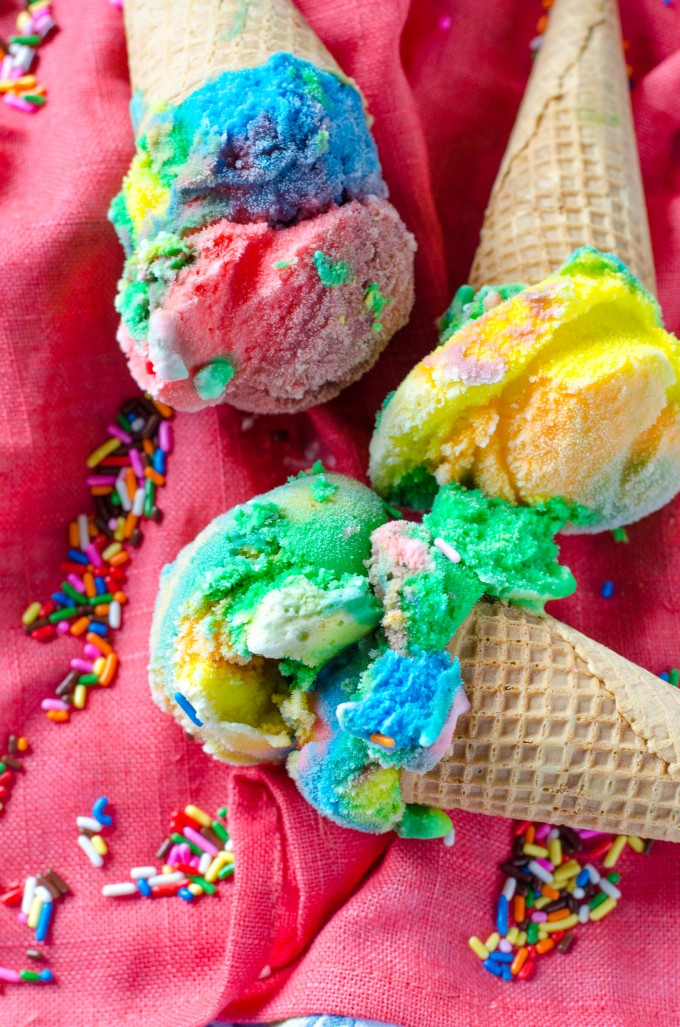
560 730
177 46
570 176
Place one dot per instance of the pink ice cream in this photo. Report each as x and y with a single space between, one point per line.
278 319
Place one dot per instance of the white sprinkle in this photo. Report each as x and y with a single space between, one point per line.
540 872
166 878
553 835
509 888
578 893
264 972
609 889
142 872
594 874
504 945
88 824
90 851
43 894
83 532
122 490
138 503
114 614
449 839
491 300
447 550
112 891
229 846
205 861
584 913
29 892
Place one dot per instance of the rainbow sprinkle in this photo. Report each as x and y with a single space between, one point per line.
19 88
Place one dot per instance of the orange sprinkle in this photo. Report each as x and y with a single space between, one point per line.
156 478
542 24
545 945
519 960
101 490
559 914
549 893
162 408
100 643
80 625
118 559
60 716
109 672
73 536
131 522
101 610
530 836
88 581
22 744
93 531
25 82
120 597
147 446
131 482
519 907
382 740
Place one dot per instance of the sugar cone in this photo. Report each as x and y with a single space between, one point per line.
177 46
571 174
560 730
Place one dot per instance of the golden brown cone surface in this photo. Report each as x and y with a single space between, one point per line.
560 730
174 48
570 176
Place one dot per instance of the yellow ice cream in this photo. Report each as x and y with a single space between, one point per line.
570 388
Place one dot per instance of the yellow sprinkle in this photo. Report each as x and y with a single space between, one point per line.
98 666
562 925
535 850
111 550
605 907
34 912
99 845
555 851
119 533
195 889
512 935
567 870
636 843
612 857
102 452
198 814
478 947
80 696
543 901
542 933
491 942
521 939
30 613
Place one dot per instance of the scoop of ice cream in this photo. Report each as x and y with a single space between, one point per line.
267 319
255 605
569 389
276 144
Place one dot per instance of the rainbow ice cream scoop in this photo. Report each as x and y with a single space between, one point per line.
568 389
307 627
265 266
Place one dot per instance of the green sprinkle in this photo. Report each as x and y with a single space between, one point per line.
219 829
597 900
202 883
222 812
375 301
105 597
226 871
532 933
322 137
674 676
620 535
88 679
278 264
26 40
72 592
332 273
376 326
530 900
37 101
29 975
115 498
179 839
392 510
123 422
67 614
3 767
614 877
211 381
149 497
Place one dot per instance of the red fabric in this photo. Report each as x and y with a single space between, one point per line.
349 924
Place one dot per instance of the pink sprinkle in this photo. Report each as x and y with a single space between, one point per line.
53 704
542 831
199 840
118 433
91 650
77 583
9 70
546 864
21 105
504 945
118 4
445 22
11 976
136 461
113 523
100 479
94 554
22 918
165 439
63 627
173 856
85 666
586 835
539 917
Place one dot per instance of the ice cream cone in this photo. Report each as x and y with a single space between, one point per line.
560 730
570 176
174 48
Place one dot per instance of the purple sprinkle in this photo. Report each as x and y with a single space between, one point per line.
53 704
85 666
136 461
539 917
118 433
94 554
542 832
76 582
93 480
165 440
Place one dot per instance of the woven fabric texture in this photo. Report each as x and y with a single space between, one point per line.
371 928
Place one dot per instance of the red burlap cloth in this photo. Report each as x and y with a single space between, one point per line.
348 923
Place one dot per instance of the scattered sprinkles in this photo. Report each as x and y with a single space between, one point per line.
607 590
19 88
90 838
124 475
37 899
197 855
552 887
10 766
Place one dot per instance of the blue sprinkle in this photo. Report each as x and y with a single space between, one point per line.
665 676
43 921
583 878
607 590
502 916
46 975
185 705
98 811
494 968
185 894
63 599
507 974
144 887
77 556
158 461
100 586
99 629
501 957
